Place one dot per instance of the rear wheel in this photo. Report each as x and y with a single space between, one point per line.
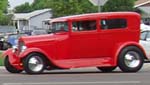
107 69
34 63
9 67
130 59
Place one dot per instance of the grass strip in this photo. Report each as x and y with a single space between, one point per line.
1 59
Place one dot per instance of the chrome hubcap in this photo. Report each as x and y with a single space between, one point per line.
132 59
36 64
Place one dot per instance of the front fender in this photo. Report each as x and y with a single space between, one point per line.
120 46
13 58
6 53
31 50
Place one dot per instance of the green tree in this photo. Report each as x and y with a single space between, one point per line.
4 19
62 7
3 5
24 8
118 5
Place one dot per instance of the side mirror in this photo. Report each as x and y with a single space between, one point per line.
147 39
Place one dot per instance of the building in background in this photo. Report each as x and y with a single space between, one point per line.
144 6
27 22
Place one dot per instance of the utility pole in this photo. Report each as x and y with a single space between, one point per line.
98 3
99 6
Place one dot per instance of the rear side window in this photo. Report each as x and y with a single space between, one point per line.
113 23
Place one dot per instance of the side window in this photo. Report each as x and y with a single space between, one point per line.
113 23
84 25
148 35
143 35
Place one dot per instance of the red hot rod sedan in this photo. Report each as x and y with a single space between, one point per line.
102 40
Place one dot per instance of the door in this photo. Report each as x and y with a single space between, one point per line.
112 32
84 40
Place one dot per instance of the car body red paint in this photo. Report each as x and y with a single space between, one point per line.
89 48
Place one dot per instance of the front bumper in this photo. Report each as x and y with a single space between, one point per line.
14 58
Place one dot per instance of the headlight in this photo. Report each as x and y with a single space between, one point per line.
23 48
14 49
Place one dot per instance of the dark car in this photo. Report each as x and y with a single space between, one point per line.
13 38
10 40
4 45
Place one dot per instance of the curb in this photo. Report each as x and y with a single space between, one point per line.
146 66
2 67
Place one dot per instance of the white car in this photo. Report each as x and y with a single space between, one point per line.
144 27
145 41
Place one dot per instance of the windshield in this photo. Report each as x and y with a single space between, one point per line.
59 27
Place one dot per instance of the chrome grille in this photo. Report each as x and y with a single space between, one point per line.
20 44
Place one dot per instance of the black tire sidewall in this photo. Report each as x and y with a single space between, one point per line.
121 62
9 67
26 64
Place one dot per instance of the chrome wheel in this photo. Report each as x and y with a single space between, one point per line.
132 59
35 64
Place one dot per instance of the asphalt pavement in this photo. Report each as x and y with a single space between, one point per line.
80 76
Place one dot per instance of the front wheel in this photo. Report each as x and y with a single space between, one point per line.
34 63
9 67
130 59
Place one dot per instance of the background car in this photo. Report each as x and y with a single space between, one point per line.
145 41
13 38
4 45
10 40
144 27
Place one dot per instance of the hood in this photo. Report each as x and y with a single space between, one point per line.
43 39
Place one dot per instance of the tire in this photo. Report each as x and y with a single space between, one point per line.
1 45
130 59
9 67
34 64
107 69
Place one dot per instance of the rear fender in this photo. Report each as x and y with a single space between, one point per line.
120 46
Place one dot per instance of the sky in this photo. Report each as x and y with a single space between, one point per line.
14 3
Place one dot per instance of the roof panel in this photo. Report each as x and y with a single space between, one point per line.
91 16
